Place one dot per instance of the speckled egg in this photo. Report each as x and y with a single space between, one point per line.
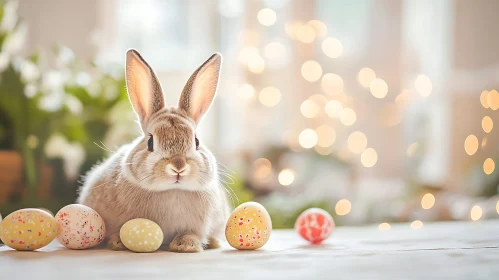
141 235
80 227
249 226
314 225
28 229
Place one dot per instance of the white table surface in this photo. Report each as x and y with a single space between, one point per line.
451 250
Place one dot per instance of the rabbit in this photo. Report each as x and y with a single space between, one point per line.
166 175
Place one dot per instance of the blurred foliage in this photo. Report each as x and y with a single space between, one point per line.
284 219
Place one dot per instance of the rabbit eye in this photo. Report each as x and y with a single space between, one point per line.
150 144
197 142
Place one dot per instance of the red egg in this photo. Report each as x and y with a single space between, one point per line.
314 225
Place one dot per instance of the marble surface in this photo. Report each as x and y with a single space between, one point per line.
450 250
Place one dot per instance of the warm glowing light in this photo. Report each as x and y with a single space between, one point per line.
332 47
256 64
357 142
403 99
428 201
323 150
246 91
384 226
332 83
366 76
369 157
476 213
348 117
493 99
484 142
391 115
309 109
286 177
487 124
489 166
270 96
343 207
326 135
412 149
497 207
319 27
311 71
378 88
247 54
319 99
423 85
308 138
274 51
334 108
483 99
471 144
292 29
305 34
417 224
262 169
266 17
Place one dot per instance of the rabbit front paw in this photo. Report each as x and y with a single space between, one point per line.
186 243
114 243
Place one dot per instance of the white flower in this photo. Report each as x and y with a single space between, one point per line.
55 146
65 55
53 80
74 104
9 18
52 101
73 156
14 42
30 90
82 79
4 61
29 71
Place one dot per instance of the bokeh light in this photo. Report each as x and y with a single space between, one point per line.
412 149
427 201
309 109
326 135
493 99
484 99
332 47
262 170
348 116
332 84
369 157
366 76
403 99
384 226
311 71
246 91
357 142
333 108
378 88
323 150
308 138
487 124
391 115
256 65
248 54
497 207
484 142
270 96
423 85
305 34
343 207
489 166
267 17
476 213
319 27
471 144
286 177
274 51
417 224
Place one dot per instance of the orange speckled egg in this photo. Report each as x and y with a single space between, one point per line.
28 229
249 226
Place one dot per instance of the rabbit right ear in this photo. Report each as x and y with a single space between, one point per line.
143 87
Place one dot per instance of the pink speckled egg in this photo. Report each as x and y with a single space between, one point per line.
80 227
315 225
249 226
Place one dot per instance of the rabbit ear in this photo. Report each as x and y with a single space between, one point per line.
201 88
143 87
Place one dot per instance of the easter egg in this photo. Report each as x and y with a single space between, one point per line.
314 225
141 235
249 226
28 229
80 227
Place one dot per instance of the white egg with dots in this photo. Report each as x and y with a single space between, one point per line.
141 235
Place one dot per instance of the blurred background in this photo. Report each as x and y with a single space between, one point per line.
378 111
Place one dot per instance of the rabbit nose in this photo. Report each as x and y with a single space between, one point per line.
176 166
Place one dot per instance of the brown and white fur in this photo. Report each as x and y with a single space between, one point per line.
175 184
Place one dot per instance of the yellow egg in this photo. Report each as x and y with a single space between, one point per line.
141 235
28 229
249 226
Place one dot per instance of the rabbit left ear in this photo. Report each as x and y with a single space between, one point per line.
143 87
200 90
